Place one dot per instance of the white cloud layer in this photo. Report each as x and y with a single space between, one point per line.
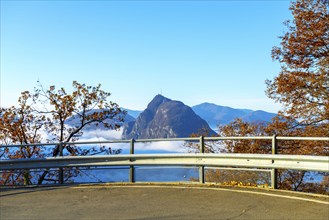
99 135
169 146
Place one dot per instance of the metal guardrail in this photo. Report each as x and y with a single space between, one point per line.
273 161
294 162
195 139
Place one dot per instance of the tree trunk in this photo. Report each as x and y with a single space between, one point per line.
26 177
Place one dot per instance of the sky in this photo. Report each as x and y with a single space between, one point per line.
191 51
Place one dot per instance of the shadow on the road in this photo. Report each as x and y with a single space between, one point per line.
26 190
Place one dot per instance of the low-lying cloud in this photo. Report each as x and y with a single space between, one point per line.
99 135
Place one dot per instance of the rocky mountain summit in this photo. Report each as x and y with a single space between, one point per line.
165 118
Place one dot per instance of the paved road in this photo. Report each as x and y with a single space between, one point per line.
158 202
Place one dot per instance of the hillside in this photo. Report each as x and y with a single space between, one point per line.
220 115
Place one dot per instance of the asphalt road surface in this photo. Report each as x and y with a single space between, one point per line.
158 202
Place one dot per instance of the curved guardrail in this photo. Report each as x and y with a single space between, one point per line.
201 160
294 162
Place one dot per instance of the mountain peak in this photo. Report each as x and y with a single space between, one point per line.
156 102
165 118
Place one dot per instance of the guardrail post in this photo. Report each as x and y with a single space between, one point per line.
274 172
132 169
201 168
61 172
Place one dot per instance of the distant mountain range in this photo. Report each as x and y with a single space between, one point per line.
75 121
221 115
216 115
132 113
165 118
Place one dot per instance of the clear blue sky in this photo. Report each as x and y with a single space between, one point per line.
192 51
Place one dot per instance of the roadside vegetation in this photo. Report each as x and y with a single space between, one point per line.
302 87
48 111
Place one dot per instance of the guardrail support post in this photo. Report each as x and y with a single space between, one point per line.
274 172
61 172
201 168
132 169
